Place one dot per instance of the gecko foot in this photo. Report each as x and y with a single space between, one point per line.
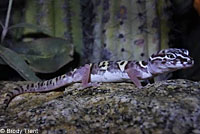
89 85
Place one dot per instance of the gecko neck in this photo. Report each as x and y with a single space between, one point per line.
156 68
148 69
153 69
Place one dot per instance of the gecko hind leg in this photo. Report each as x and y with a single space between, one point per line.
86 78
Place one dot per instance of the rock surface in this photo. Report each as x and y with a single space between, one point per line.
166 107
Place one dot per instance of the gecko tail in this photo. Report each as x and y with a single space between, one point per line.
78 75
10 95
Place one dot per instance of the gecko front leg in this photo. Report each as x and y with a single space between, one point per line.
133 73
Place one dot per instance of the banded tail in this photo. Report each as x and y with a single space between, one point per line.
77 75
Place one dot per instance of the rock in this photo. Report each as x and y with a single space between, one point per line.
164 107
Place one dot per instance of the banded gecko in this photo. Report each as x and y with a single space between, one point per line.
163 61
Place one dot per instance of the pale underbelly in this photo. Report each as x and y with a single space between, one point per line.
110 77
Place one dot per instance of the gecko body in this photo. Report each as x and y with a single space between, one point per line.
167 60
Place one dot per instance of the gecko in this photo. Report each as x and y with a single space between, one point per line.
163 61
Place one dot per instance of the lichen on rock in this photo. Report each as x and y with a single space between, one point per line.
171 106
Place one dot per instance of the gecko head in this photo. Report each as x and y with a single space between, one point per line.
169 60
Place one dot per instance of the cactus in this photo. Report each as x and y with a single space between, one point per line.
163 17
62 18
110 30
129 29
50 14
76 26
123 29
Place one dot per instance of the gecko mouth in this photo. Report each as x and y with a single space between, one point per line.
191 62
188 64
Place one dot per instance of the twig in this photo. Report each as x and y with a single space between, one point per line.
1 24
5 28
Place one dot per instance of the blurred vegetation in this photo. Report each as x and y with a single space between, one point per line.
43 35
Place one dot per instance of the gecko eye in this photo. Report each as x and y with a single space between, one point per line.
171 56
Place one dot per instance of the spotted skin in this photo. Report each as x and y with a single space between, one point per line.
163 61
